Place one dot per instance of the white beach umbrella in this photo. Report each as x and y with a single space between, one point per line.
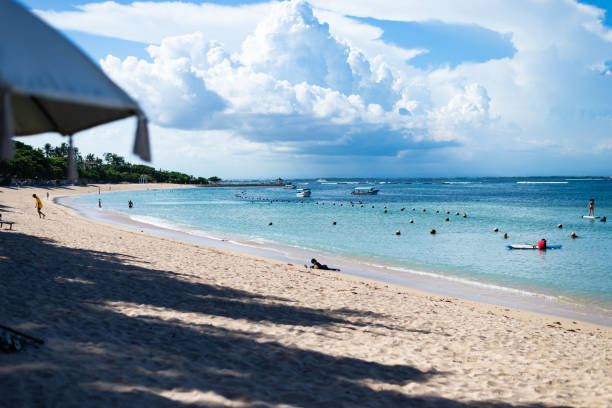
48 85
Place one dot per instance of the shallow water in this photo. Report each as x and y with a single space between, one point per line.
463 248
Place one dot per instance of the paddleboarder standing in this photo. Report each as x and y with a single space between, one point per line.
592 207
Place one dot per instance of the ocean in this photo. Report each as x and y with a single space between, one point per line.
464 249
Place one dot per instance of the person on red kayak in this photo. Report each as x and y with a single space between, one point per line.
542 244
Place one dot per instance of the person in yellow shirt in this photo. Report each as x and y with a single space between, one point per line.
38 206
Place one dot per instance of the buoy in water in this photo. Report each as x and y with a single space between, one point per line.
385 211
432 231
495 229
270 223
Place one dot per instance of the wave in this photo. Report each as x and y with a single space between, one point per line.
156 222
471 282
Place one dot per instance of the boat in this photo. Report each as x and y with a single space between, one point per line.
302 192
365 191
289 186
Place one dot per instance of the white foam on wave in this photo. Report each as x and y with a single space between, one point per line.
469 282
156 222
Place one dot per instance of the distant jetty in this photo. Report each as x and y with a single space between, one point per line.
242 185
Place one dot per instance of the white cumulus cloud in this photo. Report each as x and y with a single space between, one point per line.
295 84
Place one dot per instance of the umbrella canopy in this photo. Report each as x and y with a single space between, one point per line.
48 85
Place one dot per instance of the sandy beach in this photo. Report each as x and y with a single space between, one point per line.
132 319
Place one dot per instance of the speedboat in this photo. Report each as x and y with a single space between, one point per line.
365 191
302 192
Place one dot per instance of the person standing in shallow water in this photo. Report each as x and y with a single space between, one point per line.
99 203
38 205
592 207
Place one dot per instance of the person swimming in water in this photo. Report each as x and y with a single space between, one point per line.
317 265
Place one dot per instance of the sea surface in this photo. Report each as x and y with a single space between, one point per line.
464 249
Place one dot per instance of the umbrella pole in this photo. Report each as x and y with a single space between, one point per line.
6 125
73 174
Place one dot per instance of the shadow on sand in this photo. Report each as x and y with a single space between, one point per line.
63 295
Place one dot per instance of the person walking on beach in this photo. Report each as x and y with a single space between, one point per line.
38 205
592 207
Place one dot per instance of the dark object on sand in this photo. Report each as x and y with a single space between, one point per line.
12 340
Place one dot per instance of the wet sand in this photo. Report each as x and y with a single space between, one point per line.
133 319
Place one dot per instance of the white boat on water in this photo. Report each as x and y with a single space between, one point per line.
365 191
289 186
302 192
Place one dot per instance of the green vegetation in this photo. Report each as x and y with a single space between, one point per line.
51 163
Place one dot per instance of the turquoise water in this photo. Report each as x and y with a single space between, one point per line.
465 248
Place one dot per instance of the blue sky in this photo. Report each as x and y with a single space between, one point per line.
308 89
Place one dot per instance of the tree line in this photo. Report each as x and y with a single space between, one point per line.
51 163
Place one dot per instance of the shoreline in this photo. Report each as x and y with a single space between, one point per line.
430 282
133 319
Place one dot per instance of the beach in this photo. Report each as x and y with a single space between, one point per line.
133 319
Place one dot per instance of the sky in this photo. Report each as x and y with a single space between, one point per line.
353 88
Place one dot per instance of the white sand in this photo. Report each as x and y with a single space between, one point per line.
131 320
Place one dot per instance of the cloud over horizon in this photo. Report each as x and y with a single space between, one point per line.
293 84
302 80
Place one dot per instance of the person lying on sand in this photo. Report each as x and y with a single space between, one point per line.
317 265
